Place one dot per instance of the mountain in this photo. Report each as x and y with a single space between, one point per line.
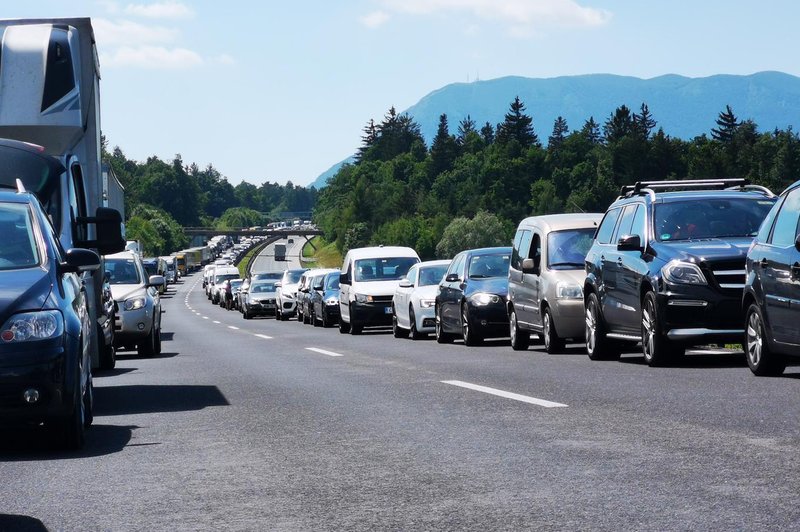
322 179
683 107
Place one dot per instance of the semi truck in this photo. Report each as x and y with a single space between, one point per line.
50 131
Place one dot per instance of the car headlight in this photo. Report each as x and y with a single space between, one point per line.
680 272
29 326
331 301
288 295
482 298
426 303
361 298
566 290
134 303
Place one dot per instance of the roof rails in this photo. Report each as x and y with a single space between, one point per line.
689 184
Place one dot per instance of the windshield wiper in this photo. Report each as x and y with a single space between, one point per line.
578 264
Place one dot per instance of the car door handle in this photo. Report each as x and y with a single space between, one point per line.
619 260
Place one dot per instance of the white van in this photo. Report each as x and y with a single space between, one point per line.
220 275
367 284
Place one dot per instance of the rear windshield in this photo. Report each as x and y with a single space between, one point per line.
710 218
566 250
123 271
383 269
18 241
431 275
487 266
225 277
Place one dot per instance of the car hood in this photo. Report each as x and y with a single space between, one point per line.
21 290
289 288
704 250
121 292
426 292
493 285
375 288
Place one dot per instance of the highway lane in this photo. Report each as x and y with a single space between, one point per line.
265 260
259 424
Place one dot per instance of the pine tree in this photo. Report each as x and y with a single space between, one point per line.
444 149
487 133
560 130
367 139
727 125
465 127
517 126
643 122
618 125
591 131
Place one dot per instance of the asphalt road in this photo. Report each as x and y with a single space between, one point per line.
266 425
265 261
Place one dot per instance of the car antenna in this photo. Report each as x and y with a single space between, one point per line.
20 186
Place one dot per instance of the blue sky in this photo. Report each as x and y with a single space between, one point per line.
277 91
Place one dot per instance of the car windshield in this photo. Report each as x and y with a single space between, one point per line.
431 275
566 250
225 277
235 285
294 277
18 243
123 271
710 218
383 269
486 266
268 275
333 282
150 267
260 288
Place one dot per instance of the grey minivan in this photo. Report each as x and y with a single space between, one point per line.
545 278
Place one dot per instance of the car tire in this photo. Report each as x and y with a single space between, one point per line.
147 348
412 320
344 327
760 358
108 355
468 332
442 337
157 341
397 331
246 314
657 349
520 339
88 404
325 322
315 321
72 429
598 346
355 328
553 344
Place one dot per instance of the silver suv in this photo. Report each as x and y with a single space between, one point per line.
545 279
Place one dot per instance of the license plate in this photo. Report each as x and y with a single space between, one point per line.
387 310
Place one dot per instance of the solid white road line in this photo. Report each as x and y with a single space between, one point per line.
507 395
264 336
323 352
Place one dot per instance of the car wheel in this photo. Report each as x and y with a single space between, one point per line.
656 347
325 322
246 314
397 331
468 332
598 347
72 429
355 328
552 343
157 341
441 336
108 355
520 339
147 348
88 404
344 327
412 318
761 359
315 321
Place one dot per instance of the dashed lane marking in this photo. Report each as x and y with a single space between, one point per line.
235 328
215 321
324 352
507 395
264 336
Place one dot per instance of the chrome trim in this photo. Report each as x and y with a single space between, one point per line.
731 285
729 272
691 333
619 336
687 303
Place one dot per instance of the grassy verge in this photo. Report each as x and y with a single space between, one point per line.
245 262
325 256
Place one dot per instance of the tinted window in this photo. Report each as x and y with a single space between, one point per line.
486 266
225 277
332 281
383 269
412 275
566 250
431 275
522 242
18 242
123 271
638 227
293 277
626 222
606 229
785 230
710 218
536 251
766 225
457 266
268 275
262 287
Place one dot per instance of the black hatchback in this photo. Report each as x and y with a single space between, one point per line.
772 292
45 367
471 300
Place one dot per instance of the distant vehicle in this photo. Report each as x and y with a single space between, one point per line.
135 246
280 252
367 284
260 299
545 279
471 299
413 300
325 300
316 285
772 291
46 371
222 274
138 321
287 293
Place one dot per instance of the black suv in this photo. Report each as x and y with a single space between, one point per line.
45 368
667 266
772 294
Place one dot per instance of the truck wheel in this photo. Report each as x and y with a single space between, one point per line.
520 339
552 342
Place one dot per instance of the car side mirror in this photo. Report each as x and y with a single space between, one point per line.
405 283
452 278
529 266
78 260
344 278
278 284
797 243
629 243
155 281
318 287
110 234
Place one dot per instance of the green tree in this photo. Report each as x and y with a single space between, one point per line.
560 130
727 124
484 230
643 122
517 126
618 125
444 149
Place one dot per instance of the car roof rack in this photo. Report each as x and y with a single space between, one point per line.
684 184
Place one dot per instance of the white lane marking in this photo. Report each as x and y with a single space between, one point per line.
324 352
264 336
507 395
233 327
205 317
215 321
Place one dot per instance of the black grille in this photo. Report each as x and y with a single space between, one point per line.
382 299
726 276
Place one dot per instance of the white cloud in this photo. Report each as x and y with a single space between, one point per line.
126 32
152 57
524 16
374 19
160 10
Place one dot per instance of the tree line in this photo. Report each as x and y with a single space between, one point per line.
161 198
485 178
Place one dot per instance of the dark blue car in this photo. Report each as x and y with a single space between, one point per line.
45 367
471 301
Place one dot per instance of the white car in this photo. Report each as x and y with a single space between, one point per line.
221 274
413 311
287 293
